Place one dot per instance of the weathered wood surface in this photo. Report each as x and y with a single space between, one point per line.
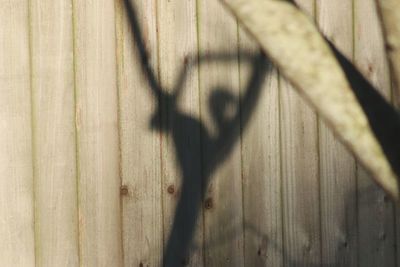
337 166
94 163
141 183
375 212
17 246
97 133
261 174
389 11
54 139
223 215
300 177
181 144
283 33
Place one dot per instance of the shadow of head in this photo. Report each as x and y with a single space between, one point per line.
223 106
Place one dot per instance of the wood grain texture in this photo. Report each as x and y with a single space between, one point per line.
16 182
389 11
97 154
140 144
219 82
181 145
262 205
299 137
54 134
300 176
375 212
97 133
337 165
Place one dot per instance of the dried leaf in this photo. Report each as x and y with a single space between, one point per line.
294 44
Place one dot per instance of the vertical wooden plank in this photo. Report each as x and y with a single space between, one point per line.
97 131
140 145
375 211
337 166
219 82
54 134
181 147
16 183
300 179
262 206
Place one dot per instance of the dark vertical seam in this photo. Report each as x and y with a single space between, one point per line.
202 167
160 116
119 53
281 191
33 134
241 140
318 148
77 152
393 102
391 99
356 162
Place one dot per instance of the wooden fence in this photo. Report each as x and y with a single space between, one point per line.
102 164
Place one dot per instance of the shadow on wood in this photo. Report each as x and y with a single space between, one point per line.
383 118
190 134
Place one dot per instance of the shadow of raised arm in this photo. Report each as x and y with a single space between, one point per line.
142 52
229 129
197 152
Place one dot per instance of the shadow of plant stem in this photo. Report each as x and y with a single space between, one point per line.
191 137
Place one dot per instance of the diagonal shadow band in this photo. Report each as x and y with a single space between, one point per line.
383 118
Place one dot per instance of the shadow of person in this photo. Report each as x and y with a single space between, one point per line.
186 132
190 136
